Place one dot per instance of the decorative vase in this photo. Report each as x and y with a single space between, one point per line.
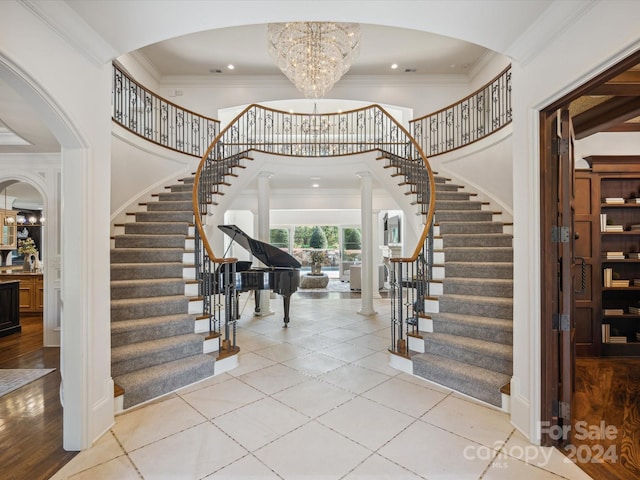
316 269
26 264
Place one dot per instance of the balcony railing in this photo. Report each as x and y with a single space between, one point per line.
262 129
475 117
158 120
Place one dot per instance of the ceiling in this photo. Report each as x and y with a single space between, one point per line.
614 106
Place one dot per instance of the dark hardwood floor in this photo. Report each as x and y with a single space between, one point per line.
31 416
607 401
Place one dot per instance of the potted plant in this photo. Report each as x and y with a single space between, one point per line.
317 258
27 248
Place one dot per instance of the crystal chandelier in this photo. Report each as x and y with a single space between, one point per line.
314 55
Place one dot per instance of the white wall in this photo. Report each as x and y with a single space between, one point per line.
71 95
613 143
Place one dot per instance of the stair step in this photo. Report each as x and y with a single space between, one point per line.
170 206
149 383
442 216
186 216
174 196
137 356
478 254
156 228
477 240
149 241
133 308
488 287
134 271
146 255
138 330
147 287
490 329
456 205
474 381
497 307
462 227
479 269
492 356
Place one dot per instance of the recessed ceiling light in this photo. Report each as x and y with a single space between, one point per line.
315 185
394 66
231 66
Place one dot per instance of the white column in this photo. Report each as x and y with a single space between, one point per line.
366 212
264 222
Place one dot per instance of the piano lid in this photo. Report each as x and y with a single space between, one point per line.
267 254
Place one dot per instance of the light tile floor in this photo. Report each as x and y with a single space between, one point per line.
316 401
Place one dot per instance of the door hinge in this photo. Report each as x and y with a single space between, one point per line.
561 322
559 234
561 410
560 146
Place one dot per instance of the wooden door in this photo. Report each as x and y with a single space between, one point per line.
558 318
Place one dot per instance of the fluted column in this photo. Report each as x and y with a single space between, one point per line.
366 212
264 222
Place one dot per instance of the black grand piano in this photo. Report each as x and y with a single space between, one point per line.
281 273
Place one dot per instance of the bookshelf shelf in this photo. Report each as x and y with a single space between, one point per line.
616 232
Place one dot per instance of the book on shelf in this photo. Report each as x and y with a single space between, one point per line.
606 332
614 255
617 339
614 200
608 276
638 336
614 228
634 200
634 310
620 283
613 311
636 282
634 226
635 255
603 222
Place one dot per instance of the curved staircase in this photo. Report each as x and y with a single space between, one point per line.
467 328
154 305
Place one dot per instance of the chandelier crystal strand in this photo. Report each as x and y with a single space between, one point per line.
314 55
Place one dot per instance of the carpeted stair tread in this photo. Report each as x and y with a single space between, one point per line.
482 353
170 206
140 240
491 329
131 271
457 205
164 216
474 381
146 255
477 240
496 287
144 329
462 227
132 308
136 356
499 307
149 383
442 216
479 269
479 254
156 228
147 287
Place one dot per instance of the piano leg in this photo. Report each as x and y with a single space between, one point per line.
286 299
256 310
